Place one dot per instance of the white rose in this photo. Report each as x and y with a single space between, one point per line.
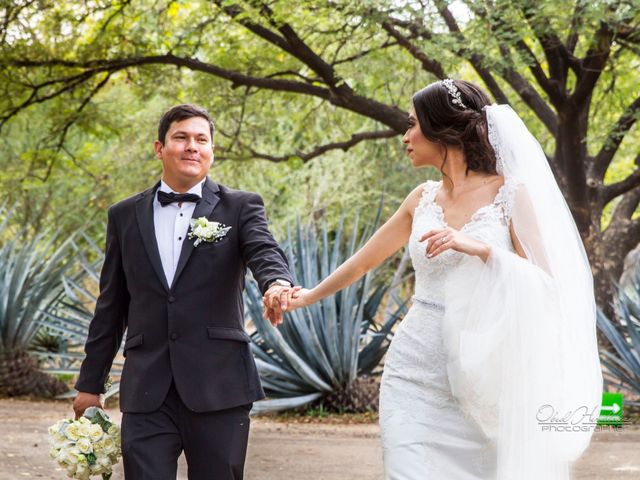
71 432
58 426
61 456
108 444
95 432
64 443
84 445
98 447
71 470
84 429
72 455
199 231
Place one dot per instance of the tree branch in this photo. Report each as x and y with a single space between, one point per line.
475 59
605 156
69 84
290 42
576 21
593 64
320 149
609 192
518 82
554 50
362 54
551 87
523 88
627 206
428 64
388 115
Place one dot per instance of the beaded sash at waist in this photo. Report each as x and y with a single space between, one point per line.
429 303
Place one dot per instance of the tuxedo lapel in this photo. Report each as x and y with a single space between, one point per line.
144 216
204 208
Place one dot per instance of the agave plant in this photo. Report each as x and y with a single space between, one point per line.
67 319
327 351
622 364
31 269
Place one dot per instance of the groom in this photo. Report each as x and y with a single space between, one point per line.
189 379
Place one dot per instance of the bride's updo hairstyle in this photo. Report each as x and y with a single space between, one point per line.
450 113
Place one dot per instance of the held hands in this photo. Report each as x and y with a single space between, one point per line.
300 299
279 299
442 239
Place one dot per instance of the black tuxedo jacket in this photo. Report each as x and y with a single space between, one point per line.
193 330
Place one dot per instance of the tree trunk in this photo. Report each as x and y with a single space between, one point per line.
606 264
606 252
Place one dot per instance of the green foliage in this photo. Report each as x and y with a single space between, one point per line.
68 318
83 84
31 268
322 348
623 362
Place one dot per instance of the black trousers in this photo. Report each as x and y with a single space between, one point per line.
214 443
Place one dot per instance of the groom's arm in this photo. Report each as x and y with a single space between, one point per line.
260 251
109 320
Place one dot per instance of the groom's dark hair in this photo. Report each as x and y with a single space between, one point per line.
179 113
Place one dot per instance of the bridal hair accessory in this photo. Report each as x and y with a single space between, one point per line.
456 97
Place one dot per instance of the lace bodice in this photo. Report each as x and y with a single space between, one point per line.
489 224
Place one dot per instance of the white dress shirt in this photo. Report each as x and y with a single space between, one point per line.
171 224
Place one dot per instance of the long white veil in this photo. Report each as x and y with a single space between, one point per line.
521 333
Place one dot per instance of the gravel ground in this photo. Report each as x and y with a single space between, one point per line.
280 450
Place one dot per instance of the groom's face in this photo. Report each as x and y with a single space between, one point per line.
187 152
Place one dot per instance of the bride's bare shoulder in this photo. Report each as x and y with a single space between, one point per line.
413 199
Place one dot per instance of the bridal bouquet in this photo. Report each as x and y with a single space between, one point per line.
87 446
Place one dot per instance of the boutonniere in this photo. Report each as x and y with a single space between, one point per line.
204 230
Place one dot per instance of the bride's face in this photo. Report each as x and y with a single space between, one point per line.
422 152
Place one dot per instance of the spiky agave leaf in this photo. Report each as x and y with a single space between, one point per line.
622 363
71 313
321 349
31 267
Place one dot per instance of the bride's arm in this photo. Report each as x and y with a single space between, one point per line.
387 240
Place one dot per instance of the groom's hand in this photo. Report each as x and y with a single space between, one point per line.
85 400
276 300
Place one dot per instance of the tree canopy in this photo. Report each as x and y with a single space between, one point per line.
310 97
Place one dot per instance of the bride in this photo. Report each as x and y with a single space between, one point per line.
494 372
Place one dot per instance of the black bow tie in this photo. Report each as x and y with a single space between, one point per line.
166 198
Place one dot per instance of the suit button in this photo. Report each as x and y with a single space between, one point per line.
173 336
172 299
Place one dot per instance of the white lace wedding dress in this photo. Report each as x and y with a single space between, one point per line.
425 434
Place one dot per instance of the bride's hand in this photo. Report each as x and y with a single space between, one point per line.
442 239
299 299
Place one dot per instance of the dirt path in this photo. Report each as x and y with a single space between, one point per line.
281 451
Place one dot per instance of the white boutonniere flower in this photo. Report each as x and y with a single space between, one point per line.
204 230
